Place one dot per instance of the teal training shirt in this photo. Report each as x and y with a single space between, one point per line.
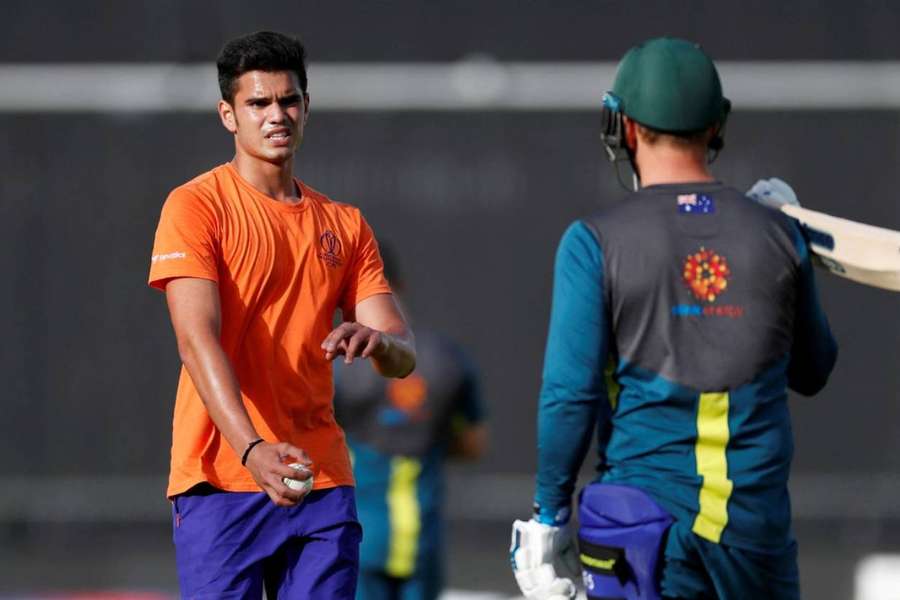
705 302
398 431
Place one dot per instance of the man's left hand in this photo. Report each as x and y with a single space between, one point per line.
774 193
352 340
544 560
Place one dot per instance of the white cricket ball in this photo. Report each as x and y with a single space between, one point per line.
301 485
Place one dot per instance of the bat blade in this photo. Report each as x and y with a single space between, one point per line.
863 253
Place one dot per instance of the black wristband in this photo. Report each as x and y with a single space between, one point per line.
248 449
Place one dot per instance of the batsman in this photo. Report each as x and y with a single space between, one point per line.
680 318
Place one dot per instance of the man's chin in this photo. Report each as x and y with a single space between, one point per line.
280 157
277 157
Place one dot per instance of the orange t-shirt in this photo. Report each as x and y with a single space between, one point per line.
282 270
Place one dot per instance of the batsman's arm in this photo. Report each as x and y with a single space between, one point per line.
196 318
573 393
814 350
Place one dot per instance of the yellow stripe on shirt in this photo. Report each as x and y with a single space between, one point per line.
404 516
712 466
612 386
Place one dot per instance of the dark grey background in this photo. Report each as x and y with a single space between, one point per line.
402 30
475 201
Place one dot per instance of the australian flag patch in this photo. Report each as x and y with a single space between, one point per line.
696 204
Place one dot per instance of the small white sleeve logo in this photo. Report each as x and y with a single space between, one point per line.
170 256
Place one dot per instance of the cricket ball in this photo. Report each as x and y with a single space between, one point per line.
301 485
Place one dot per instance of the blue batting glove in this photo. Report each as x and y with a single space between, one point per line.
773 193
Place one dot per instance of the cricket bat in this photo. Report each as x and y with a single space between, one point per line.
863 253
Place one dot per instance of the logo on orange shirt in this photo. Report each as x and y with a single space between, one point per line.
330 249
169 256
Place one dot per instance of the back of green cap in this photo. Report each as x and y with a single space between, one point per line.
670 85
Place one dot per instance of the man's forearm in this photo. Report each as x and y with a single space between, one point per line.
397 357
214 378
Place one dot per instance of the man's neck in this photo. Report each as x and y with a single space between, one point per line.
273 180
666 164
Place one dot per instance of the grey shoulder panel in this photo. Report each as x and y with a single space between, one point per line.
592 222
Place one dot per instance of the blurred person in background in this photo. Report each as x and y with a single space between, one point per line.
705 303
401 432
254 264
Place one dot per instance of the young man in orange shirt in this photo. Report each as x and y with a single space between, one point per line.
254 264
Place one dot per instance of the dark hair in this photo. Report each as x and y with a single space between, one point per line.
680 138
261 51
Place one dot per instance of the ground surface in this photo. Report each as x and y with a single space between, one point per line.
51 559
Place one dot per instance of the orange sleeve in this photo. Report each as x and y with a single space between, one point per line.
366 276
186 243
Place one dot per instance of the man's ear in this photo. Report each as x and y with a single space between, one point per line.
630 133
306 108
714 137
226 115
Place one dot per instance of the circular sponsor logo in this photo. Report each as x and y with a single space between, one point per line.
706 274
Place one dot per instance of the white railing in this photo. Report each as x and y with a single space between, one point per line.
469 85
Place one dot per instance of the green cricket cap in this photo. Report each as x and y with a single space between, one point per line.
670 85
